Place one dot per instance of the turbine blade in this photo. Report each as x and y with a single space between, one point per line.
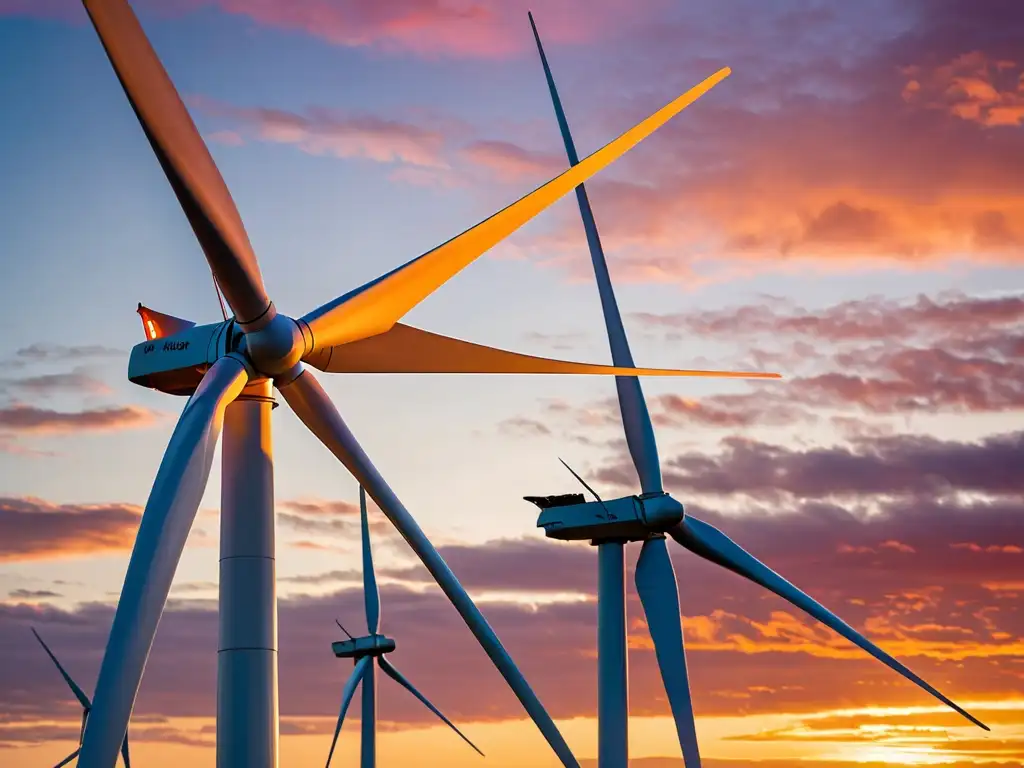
81 731
165 526
79 693
346 698
377 306
315 409
67 759
399 678
405 349
124 753
636 420
710 543
370 592
656 584
184 157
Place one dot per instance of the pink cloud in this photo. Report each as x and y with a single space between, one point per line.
510 162
27 419
325 132
425 28
433 28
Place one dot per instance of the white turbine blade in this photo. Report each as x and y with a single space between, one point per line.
371 595
405 349
166 522
184 157
377 306
79 693
68 759
656 584
346 698
315 409
399 678
636 420
711 544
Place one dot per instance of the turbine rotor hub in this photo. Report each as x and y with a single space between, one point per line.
278 346
660 511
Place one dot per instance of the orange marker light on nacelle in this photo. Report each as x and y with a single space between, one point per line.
157 325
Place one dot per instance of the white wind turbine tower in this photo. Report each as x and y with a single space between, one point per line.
363 650
86 708
648 517
229 370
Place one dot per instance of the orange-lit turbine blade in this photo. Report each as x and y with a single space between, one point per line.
380 304
405 349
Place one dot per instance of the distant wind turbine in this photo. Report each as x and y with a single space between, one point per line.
86 708
648 517
364 650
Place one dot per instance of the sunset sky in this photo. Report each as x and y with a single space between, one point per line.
847 209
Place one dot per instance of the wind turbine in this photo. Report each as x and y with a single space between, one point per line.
648 517
228 369
363 650
86 708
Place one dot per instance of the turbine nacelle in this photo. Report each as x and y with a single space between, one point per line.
631 518
358 647
175 364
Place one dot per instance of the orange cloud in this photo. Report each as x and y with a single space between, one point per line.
973 87
897 546
838 186
784 632
27 419
852 171
1010 549
33 529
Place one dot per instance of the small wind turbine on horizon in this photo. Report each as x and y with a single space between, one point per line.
86 707
648 517
229 371
363 650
